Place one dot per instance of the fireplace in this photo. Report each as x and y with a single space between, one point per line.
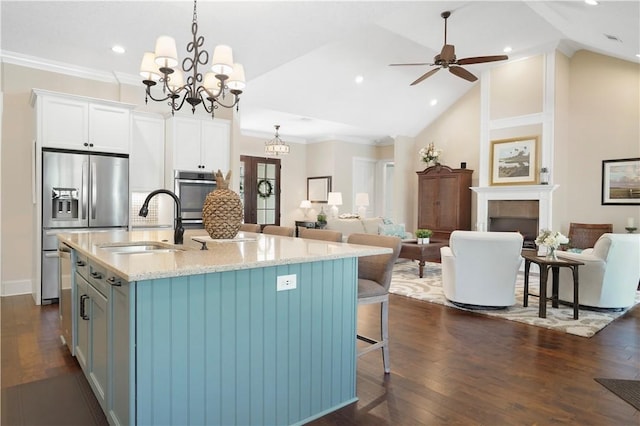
527 203
514 216
528 227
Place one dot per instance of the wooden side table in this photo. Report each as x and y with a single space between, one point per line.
555 265
305 223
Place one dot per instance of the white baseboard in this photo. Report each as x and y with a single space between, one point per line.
16 287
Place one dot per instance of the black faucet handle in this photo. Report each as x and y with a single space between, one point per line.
178 235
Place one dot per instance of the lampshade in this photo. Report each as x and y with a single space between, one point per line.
176 80
236 79
305 204
148 68
166 52
362 199
211 83
335 199
222 60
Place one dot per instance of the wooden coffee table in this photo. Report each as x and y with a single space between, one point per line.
421 252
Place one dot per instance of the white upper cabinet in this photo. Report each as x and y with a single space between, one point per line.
199 145
73 122
146 161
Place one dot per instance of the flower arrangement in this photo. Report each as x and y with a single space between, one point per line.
430 154
551 239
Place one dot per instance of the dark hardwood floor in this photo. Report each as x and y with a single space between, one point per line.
448 367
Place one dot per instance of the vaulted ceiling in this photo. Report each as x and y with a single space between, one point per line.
301 57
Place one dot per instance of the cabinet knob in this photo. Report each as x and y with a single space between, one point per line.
85 144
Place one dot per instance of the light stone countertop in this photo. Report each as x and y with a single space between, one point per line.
252 251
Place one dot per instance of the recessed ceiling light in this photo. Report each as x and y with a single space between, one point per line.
433 102
118 49
507 49
359 79
591 2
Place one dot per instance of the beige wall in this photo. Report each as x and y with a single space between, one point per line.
597 117
457 134
604 117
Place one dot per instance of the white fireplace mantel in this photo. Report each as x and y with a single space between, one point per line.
541 193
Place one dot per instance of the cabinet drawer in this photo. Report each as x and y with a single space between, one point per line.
82 265
98 279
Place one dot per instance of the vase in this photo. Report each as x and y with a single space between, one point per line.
551 253
222 210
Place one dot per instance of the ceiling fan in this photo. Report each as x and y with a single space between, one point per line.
447 59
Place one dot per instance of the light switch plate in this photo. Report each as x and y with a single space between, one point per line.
286 282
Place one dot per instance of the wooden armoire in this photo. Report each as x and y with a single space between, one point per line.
444 200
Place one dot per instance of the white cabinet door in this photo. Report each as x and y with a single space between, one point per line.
109 128
82 338
83 125
98 349
65 123
146 161
186 145
215 146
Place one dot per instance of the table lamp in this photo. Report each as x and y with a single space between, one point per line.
305 205
362 201
334 200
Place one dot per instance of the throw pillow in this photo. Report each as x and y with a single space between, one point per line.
387 221
395 230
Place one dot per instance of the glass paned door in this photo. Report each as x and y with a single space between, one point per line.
260 190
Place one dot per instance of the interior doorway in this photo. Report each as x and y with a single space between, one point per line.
260 189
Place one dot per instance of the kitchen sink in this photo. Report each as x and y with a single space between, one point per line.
140 247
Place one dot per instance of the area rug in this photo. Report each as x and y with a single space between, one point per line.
62 400
405 282
629 390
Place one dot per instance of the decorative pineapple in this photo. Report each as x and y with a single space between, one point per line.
222 210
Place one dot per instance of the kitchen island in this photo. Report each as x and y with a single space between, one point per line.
178 335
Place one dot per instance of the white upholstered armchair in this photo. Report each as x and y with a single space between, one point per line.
609 277
480 268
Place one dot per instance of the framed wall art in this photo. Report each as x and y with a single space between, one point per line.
514 161
621 181
318 189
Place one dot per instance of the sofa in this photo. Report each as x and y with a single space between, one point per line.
369 225
609 277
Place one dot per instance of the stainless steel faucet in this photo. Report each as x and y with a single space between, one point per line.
178 233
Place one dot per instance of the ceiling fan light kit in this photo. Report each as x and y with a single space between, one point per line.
447 59
210 92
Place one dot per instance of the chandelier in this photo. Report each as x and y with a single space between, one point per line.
276 146
161 67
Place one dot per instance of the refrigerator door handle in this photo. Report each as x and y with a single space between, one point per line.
94 190
85 189
52 254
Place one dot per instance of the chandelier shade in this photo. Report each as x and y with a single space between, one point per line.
276 146
211 91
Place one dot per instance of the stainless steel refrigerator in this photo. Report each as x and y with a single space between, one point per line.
80 191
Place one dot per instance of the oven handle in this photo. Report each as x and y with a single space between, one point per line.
203 181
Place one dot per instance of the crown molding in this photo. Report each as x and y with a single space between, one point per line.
28 61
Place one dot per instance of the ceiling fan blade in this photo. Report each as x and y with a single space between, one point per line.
481 59
461 72
402 65
448 53
425 76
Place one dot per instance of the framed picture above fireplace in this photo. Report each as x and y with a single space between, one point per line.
514 161
621 181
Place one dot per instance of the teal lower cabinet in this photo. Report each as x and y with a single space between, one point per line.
229 349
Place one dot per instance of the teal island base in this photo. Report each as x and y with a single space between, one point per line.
228 348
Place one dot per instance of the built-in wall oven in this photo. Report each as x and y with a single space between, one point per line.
192 189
